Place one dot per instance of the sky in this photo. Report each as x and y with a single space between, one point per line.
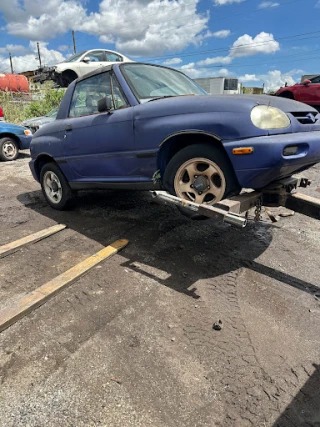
258 41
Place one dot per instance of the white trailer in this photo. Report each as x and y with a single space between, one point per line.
219 85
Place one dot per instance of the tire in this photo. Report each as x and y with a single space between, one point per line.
55 187
9 149
213 177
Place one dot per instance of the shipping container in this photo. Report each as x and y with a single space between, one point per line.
219 85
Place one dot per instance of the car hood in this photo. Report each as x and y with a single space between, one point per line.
41 119
216 103
10 127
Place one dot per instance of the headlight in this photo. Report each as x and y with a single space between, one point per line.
27 132
265 117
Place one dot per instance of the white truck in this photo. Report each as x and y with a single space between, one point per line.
219 85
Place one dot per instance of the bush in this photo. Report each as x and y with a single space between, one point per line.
17 107
52 99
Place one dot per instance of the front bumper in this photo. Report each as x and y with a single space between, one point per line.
25 141
267 162
48 73
33 170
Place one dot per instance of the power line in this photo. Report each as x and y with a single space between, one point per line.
218 18
154 14
227 49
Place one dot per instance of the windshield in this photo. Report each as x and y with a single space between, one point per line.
75 57
52 113
150 81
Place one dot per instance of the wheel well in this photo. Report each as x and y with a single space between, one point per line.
40 162
287 94
177 142
70 75
12 136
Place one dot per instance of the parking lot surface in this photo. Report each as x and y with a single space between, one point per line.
132 342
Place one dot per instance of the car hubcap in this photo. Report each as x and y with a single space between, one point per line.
201 181
52 187
9 150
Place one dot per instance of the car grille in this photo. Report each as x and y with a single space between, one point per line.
307 118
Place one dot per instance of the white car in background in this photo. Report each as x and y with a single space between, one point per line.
78 65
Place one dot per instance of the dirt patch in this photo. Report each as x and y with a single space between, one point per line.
145 318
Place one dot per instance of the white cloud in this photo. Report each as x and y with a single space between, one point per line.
136 27
64 48
273 80
42 20
249 78
161 25
247 46
222 34
224 2
14 49
217 60
194 71
268 4
172 61
30 61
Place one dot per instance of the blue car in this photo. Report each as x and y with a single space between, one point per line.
12 139
140 126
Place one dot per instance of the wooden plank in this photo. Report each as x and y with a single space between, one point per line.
30 302
9 248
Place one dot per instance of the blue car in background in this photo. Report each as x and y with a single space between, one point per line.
140 126
12 139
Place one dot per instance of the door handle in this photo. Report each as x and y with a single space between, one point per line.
68 127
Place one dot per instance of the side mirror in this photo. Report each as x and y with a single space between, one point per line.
105 105
306 82
86 59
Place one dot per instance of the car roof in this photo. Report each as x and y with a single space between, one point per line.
99 70
119 64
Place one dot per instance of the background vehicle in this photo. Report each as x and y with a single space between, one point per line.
219 85
1 115
78 65
37 122
131 124
12 139
308 92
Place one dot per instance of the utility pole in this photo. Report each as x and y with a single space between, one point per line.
39 56
74 42
11 65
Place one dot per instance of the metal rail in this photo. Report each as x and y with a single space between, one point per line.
231 210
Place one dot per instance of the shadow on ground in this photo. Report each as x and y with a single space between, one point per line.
161 239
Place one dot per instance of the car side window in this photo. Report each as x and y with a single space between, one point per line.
96 56
88 92
119 100
113 57
315 79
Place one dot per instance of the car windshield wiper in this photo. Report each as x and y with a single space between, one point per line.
162 97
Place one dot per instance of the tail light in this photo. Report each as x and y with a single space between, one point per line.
1 112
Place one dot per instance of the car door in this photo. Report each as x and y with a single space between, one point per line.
99 147
96 59
310 93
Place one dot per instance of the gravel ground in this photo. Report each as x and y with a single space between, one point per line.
132 342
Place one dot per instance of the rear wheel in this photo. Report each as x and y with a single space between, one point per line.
9 149
201 174
55 187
